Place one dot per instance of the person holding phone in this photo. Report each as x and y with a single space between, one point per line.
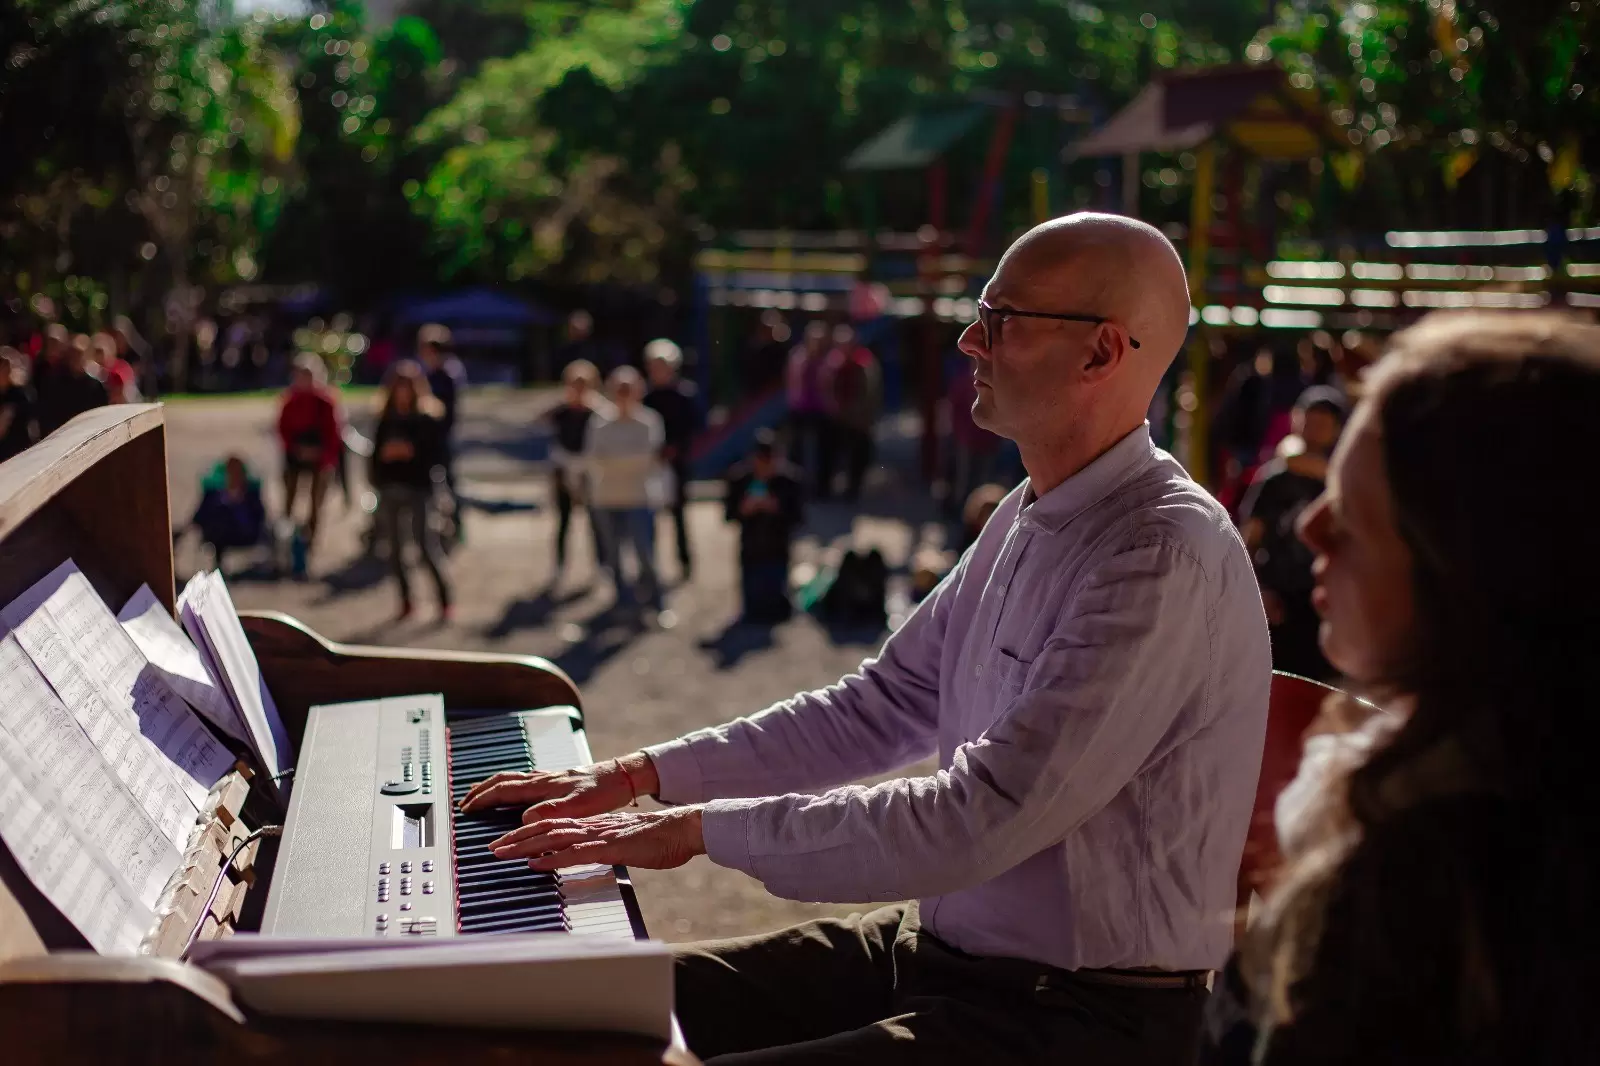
765 498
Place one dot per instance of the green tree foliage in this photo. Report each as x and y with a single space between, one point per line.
348 223
141 142
152 149
624 122
1478 112
507 195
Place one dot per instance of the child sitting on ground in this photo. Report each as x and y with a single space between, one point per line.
231 514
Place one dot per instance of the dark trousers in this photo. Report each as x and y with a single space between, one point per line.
680 498
315 479
404 513
764 588
565 504
875 989
855 447
449 466
812 448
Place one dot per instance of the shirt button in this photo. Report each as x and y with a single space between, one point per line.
978 670
1001 591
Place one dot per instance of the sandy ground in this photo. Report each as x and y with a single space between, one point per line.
637 688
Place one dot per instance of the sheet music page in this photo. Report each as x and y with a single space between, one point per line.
65 602
61 860
133 757
180 664
209 609
100 804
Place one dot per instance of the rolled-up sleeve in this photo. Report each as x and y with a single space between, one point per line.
1099 704
881 718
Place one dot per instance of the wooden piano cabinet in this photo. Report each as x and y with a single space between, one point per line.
302 669
95 491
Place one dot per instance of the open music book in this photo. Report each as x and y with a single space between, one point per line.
213 624
105 769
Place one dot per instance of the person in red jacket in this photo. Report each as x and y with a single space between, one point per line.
308 427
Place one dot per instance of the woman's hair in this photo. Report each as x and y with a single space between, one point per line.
411 374
1487 425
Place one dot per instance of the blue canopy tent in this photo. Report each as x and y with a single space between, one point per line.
478 307
486 321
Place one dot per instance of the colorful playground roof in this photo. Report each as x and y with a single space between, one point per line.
1254 108
914 140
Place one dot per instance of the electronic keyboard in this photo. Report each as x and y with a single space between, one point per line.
375 844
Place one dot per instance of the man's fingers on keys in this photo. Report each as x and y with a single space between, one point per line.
576 804
604 852
546 837
523 832
529 788
477 791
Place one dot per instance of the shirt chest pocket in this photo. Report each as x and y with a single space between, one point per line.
1005 672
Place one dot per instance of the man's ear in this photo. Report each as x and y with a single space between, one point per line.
1105 354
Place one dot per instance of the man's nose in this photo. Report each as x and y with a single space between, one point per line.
971 342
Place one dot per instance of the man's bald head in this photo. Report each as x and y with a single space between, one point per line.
1098 308
1114 266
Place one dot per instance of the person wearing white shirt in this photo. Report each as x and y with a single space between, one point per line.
622 456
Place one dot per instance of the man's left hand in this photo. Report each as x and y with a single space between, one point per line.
651 840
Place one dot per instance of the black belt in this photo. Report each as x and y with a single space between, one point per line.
1154 979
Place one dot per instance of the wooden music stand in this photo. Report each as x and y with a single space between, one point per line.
95 492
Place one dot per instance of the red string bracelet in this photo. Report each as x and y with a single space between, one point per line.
633 790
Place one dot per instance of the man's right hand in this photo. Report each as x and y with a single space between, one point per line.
595 789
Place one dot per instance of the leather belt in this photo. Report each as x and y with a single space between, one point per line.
1153 979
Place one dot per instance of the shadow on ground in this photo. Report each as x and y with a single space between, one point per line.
735 642
532 613
362 572
498 507
606 633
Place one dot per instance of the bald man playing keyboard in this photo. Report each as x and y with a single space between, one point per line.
1093 678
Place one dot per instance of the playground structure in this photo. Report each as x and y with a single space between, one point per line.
1239 129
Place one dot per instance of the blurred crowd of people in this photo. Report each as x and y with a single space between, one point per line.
1274 431
622 441
57 375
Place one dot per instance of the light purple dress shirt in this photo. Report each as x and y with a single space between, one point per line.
1093 675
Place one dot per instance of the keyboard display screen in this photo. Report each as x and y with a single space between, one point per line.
413 826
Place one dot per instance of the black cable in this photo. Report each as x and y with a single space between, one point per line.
194 934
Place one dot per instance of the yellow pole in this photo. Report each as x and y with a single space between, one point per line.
1041 195
1200 213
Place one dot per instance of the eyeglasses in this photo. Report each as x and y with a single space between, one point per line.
987 315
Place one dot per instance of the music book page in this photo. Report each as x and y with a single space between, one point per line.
126 731
41 726
213 623
61 860
171 652
115 664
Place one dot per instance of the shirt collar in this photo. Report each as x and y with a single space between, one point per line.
1052 511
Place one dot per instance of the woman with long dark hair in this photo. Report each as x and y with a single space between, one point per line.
1437 902
407 447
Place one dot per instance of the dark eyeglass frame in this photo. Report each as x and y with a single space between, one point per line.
987 311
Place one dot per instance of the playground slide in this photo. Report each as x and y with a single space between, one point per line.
720 447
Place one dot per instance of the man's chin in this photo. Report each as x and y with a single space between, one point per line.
983 416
